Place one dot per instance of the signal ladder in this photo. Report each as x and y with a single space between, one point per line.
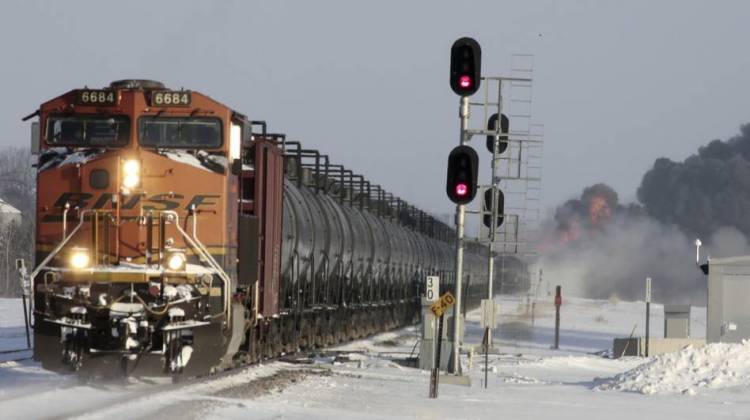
519 167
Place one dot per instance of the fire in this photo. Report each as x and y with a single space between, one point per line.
580 219
571 232
569 235
599 210
574 227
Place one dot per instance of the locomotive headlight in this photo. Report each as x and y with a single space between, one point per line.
131 170
79 259
176 260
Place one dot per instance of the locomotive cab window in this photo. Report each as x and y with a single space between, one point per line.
179 132
88 131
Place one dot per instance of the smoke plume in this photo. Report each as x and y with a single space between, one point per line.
707 191
598 247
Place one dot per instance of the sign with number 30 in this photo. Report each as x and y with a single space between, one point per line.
432 291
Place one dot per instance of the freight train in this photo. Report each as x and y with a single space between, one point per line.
176 236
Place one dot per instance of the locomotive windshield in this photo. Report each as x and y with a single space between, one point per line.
86 131
179 132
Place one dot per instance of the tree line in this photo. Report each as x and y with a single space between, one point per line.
18 189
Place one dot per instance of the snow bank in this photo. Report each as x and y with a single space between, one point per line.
714 366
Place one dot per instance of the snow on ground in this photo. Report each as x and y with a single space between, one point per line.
364 379
717 365
12 331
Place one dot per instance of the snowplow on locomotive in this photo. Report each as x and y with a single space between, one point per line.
176 236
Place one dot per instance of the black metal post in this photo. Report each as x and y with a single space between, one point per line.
26 316
150 237
558 303
435 377
486 354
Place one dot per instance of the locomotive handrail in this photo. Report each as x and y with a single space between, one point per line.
197 244
52 255
65 219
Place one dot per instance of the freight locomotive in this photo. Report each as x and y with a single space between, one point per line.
176 236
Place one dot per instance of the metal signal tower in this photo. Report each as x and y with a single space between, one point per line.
519 164
516 169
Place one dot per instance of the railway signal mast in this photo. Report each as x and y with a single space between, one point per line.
508 209
465 77
514 189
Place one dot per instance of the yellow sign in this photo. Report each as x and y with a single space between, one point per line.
442 305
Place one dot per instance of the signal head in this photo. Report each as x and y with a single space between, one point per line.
500 200
463 168
502 141
466 63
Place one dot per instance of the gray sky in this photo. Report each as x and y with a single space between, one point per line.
617 84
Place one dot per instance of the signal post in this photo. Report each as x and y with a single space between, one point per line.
495 200
461 185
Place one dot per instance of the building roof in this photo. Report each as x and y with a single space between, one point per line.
7 208
739 260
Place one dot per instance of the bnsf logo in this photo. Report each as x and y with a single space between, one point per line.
158 202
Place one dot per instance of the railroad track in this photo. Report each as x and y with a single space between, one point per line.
188 399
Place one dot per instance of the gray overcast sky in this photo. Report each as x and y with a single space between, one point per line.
617 83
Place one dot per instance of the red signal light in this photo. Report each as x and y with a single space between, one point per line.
461 180
462 189
466 67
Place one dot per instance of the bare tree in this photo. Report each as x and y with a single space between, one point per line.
17 188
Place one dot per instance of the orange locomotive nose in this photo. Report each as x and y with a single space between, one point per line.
132 231
126 191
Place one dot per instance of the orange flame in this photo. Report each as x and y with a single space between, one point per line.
599 210
571 233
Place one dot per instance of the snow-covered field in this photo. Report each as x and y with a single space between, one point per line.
12 332
527 379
